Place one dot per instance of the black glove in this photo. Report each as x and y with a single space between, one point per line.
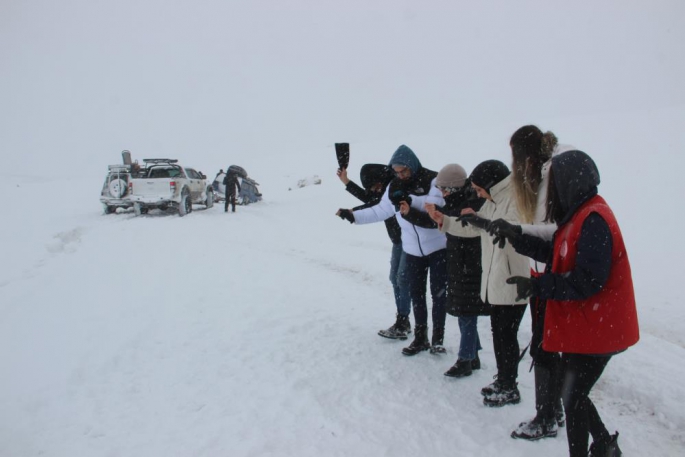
503 230
398 196
346 215
525 287
474 220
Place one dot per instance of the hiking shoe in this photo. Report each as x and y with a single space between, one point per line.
504 396
460 369
606 448
400 330
535 429
437 340
437 349
491 388
420 342
475 363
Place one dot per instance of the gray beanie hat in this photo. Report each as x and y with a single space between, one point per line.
451 175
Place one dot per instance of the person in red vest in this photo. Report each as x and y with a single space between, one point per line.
591 314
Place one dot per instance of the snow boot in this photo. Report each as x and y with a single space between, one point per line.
506 395
536 429
492 387
400 330
545 422
437 340
606 448
475 363
460 369
420 342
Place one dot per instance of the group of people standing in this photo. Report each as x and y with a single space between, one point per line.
495 240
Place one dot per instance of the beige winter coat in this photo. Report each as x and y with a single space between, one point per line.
498 264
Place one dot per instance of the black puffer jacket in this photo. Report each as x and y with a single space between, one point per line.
463 261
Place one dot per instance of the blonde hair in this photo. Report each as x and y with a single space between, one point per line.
530 150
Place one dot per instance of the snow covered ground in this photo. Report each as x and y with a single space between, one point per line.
254 333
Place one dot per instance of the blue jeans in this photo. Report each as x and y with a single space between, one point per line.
417 270
470 341
398 278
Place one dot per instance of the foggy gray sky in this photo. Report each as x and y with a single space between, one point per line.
80 80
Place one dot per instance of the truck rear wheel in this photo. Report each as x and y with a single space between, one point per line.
186 205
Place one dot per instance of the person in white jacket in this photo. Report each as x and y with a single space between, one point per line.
422 242
492 180
532 152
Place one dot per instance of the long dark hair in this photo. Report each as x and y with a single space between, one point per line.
530 149
555 210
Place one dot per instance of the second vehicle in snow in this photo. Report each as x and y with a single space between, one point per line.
164 184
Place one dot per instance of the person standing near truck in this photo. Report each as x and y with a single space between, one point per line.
232 188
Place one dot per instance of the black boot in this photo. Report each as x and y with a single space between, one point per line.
460 369
400 330
606 448
475 363
508 394
491 388
544 424
437 340
536 429
420 342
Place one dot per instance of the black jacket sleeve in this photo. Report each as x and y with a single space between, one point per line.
533 247
420 219
593 264
358 192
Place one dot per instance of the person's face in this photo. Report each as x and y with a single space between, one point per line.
376 188
482 193
402 172
445 191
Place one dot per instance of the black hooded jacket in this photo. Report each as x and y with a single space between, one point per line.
575 177
231 182
370 174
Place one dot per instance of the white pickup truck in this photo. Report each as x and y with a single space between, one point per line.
164 184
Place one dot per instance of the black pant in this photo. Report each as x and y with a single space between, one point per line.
230 198
547 365
416 270
504 322
581 372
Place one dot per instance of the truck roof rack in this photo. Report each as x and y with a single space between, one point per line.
160 160
119 167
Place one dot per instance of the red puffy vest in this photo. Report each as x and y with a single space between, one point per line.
605 322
